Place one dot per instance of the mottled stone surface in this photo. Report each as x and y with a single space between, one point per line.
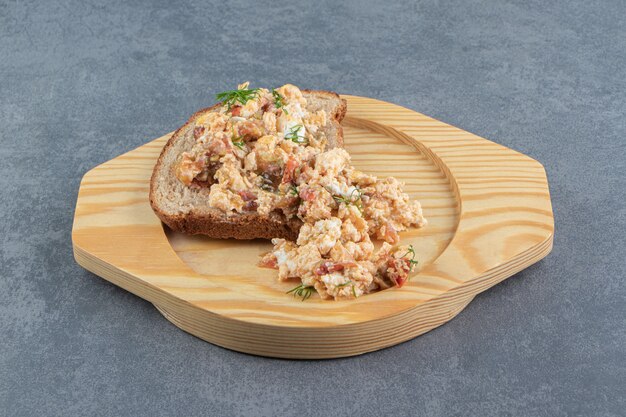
82 82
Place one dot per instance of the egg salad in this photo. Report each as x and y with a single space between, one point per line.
263 152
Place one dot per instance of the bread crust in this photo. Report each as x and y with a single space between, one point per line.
217 224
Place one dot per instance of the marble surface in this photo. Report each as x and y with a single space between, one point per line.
83 81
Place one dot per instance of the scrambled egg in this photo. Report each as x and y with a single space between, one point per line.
264 152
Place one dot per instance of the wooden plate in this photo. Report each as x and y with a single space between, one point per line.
489 216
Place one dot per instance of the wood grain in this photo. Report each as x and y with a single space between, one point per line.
489 217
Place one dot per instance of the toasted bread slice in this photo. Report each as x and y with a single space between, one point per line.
186 209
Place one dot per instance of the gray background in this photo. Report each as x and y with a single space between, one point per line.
82 82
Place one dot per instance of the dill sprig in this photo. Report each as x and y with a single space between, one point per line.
358 202
412 261
237 140
302 291
279 101
345 284
293 135
232 97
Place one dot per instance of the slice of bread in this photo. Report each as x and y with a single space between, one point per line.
187 210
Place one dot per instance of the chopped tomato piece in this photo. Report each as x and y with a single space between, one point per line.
398 270
400 281
322 269
235 110
307 194
290 169
269 261
327 267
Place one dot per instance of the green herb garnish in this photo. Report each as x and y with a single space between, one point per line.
412 261
302 291
232 97
294 137
278 101
293 190
358 202
237 140
345 284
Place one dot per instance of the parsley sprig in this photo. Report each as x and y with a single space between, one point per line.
294 135
241 96
302 291
279 101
